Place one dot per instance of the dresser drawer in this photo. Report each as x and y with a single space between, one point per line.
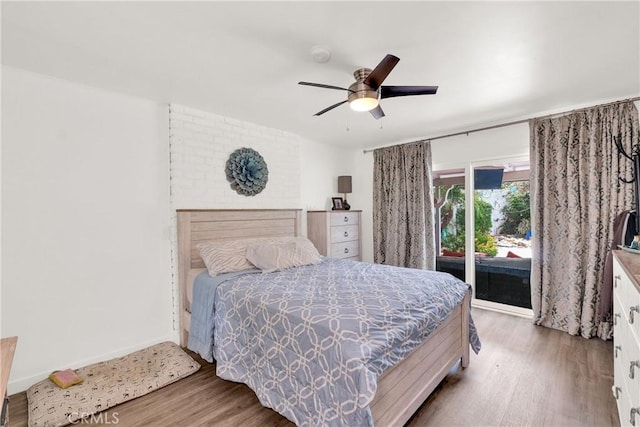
345 249
621 394
344 233
624 337
344 218
627 356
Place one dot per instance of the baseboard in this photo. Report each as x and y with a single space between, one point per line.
21 384
526 313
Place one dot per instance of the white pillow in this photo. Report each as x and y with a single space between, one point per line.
272 257
224 256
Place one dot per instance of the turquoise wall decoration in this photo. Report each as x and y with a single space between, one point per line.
247 172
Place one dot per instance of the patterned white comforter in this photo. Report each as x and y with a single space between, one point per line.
311 341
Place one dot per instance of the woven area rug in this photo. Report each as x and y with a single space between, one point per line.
107 384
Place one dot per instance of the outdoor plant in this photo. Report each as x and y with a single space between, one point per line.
484 241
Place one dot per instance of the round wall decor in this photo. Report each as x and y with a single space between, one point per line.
247 172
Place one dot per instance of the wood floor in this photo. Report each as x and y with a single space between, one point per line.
523 376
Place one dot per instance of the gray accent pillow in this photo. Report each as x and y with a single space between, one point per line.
273 257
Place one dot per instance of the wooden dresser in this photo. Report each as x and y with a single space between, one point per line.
7 349
626 336
335 233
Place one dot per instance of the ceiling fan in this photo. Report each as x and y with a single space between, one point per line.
365 94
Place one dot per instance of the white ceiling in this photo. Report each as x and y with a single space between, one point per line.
493 61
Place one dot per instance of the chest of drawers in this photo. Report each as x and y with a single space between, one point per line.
335 233
626 337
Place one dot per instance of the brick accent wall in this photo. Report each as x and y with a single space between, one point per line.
201 143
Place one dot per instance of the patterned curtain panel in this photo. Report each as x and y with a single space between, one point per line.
403 209
575 196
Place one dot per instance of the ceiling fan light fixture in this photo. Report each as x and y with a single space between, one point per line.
364 103
361 97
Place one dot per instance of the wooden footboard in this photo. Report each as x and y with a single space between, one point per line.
405 386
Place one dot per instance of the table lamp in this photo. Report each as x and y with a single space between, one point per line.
344 187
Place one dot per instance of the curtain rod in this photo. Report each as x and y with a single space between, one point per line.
515 122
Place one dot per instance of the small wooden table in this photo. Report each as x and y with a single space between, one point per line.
7 349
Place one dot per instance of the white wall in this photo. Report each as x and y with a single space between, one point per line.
320 167
85 221
447 153
362 198
459 151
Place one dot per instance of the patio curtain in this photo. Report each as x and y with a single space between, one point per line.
575 197
403 210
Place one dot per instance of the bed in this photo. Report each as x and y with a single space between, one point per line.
400 389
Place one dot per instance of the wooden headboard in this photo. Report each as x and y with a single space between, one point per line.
196 226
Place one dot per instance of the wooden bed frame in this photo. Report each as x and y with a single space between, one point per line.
402 388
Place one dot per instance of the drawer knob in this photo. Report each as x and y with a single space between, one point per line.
615 319
346 250
346 234
633 413
615 280
618 347
632 366
346 219
616 392
631 310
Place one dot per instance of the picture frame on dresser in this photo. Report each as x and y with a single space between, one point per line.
337 203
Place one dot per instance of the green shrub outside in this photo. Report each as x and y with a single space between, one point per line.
484 241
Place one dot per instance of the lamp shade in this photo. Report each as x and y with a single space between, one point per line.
344 184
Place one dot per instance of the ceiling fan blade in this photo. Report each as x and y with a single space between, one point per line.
377 112
330 108
322 85
382 70
391 91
